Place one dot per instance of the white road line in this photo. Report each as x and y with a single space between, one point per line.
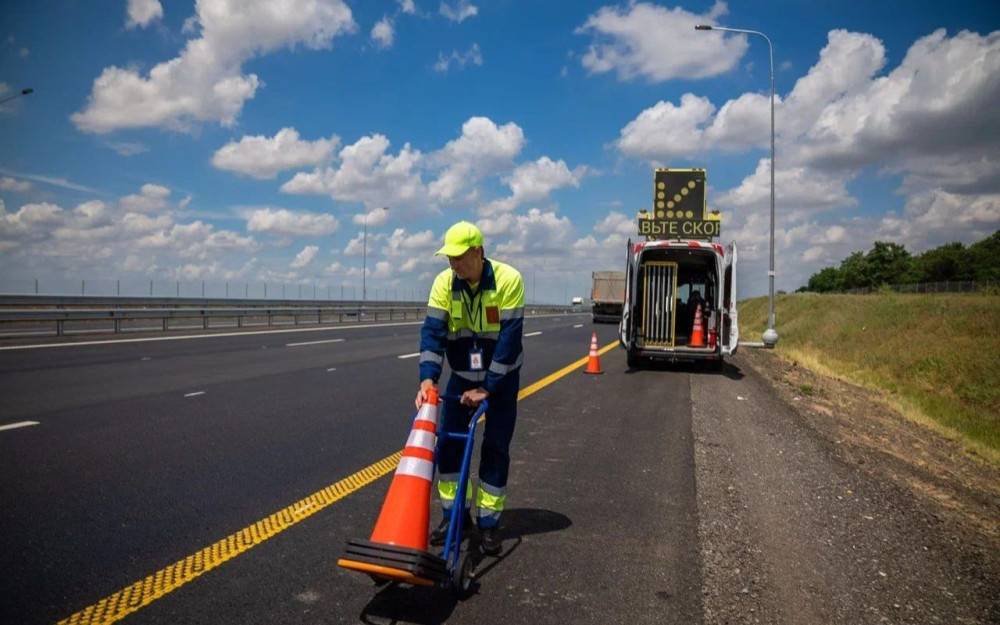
404 356
19 424
331 369
211 336
195 394
313 342
532 334
579 325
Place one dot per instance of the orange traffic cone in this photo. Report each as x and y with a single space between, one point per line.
594 363
398 546
698 331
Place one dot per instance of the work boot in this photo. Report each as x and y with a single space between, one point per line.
489 541
441 531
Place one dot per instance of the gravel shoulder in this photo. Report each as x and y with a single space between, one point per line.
827 507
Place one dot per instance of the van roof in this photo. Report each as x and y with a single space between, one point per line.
716 247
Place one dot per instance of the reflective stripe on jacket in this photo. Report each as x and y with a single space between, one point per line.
460 320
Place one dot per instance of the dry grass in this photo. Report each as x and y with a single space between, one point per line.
935 357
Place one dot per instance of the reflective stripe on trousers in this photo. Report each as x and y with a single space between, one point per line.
448 488
494 464
490 500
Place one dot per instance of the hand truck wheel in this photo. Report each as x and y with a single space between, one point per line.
461 577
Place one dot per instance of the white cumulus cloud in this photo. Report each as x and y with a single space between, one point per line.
205 82
483 149
13 184
664 130
643 40
458 11
367 173
140 229
383 33
306 256
472 56
282 221
534 181
263 157
151 197
142 12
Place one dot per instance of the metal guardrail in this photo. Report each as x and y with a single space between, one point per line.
297 314
265 317
111 301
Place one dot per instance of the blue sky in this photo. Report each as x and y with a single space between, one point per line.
184 142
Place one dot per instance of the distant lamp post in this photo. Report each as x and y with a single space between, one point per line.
25 91
770 337
364 257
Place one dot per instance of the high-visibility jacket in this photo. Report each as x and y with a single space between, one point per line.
461 321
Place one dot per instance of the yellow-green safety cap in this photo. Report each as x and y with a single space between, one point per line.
460 238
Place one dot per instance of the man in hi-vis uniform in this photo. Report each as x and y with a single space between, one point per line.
475 317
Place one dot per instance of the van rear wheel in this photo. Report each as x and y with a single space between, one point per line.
632 359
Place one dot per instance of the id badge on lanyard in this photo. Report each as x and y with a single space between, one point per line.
475 359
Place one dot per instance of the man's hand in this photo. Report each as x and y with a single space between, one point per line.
422 393
474 397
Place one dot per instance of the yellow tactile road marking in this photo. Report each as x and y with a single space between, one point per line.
130 599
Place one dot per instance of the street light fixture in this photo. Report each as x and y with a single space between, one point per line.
25 91
770 337
364 256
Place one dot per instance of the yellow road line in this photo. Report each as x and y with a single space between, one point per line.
570 368
130 599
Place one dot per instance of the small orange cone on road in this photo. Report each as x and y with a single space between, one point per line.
594 363
398 546
698 331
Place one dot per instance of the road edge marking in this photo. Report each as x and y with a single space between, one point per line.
133 597
19 424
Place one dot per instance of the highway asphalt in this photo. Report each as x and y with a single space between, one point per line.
215 480
147 452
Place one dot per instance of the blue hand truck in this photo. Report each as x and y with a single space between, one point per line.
459 564
390 563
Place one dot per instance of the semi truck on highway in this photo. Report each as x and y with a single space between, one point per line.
675 269
608 295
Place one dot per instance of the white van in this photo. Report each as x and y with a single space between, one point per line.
666 280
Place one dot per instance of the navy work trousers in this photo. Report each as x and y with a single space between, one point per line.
494 461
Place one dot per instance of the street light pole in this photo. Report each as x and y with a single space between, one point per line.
364 257
25 91
770 337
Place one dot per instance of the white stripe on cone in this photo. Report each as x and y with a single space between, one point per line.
428 412
422 439
416 467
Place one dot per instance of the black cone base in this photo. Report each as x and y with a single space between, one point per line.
392 561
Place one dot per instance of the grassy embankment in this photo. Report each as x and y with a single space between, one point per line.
936 358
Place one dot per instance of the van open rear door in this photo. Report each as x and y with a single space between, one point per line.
730 329
624 331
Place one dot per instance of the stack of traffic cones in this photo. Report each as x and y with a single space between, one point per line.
594 362
398 546
698 331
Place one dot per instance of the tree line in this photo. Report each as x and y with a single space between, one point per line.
890 263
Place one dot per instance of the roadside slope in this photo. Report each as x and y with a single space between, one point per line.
935 358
